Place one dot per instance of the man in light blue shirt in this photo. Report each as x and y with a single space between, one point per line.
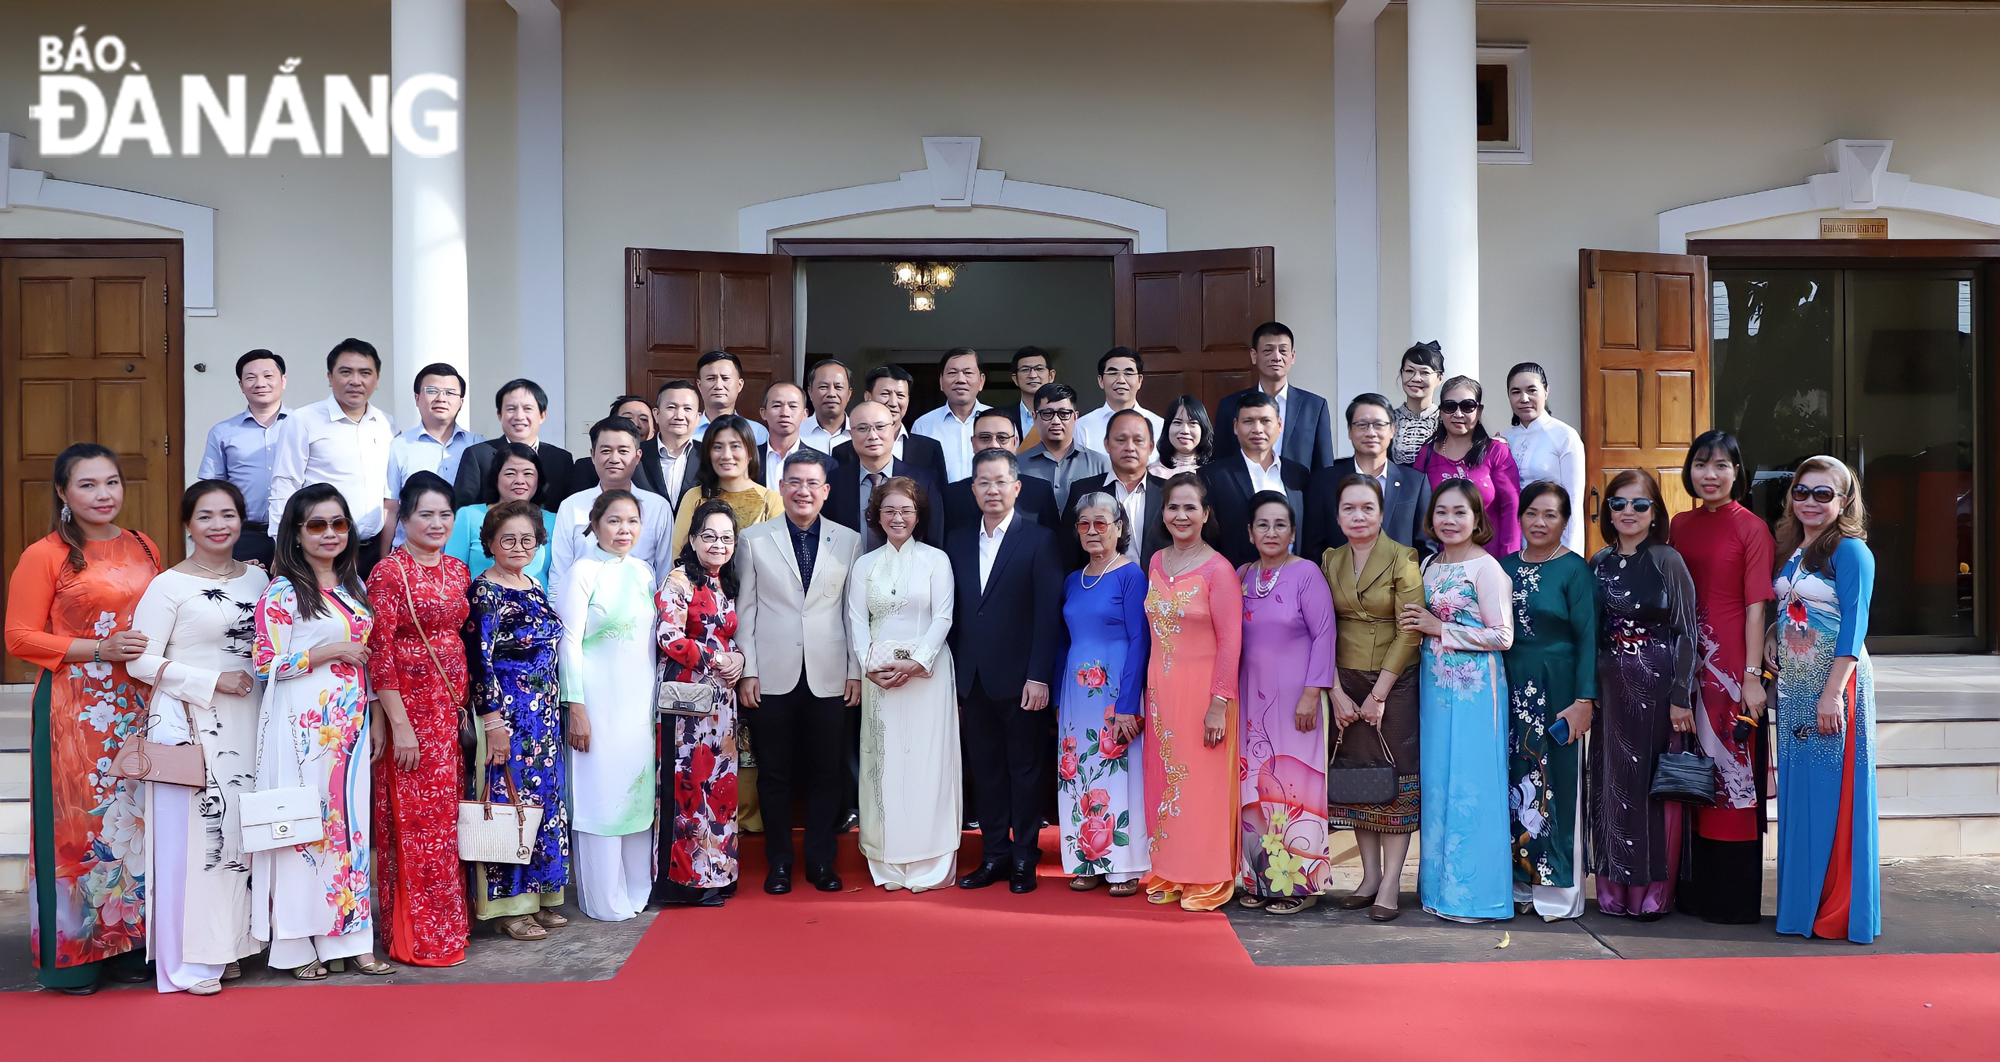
436 444
239 448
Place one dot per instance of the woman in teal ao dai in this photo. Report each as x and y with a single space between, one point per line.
1464 874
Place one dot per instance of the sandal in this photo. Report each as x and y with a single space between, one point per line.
1290 905
373 967
1085 882
550 918
312 971
1250 900
524 928
1125 888
1164 898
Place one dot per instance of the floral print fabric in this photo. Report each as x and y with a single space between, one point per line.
697 621
514 636
1097 787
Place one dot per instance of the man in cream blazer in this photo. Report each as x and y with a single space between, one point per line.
800 681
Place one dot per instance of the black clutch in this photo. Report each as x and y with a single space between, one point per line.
1688 777
1368 784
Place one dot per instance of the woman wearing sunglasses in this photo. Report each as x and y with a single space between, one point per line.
1828 881
312 901
1461 449
1728 552
1646 658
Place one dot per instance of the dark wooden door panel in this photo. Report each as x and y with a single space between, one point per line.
1190 314
682 304
89 352
1646 334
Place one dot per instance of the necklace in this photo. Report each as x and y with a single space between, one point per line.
1179 553
1083 577
224 575
1260 587
1553 554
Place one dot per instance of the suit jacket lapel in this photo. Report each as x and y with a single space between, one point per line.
1008 544
784 542
1375 567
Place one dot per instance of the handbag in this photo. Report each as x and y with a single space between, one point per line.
685 698
1369 784
146 760
498 833
468 732
280 818
1688 777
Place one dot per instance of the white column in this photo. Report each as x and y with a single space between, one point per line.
538 168
1444 181
428 299
1357 227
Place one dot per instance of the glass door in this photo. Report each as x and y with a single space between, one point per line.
1876 367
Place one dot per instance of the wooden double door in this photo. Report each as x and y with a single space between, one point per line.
1188 313
90 351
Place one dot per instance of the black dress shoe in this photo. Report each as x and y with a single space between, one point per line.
1023 879
987 874
129 975
851 822
823 879
80 990
779 881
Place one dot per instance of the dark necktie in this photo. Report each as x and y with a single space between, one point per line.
804 544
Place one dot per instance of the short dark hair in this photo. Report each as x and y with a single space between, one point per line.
1482 525
351 345
1269 328
995 453
191 497
622 399
1656 532
1255 398
886 372
1027 352
414 489
1204 450
956 352
772 389
676 385
1138 362
908 488
1012 417
1540 487
498 515
438 368
1111 424
614 424
806 455
1429 355
521 383
1370 398
1272 497
1054 392
489 490
1710 443
260 354
714 356
829 363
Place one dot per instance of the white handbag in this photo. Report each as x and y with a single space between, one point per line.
498 833
281 818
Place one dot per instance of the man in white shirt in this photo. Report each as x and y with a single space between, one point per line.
1057 458
343 441
1253 466
961 380
614 451
435 445
1031 374
240 448
1130 444
719 375
784 410
674 418
1120 375
828 388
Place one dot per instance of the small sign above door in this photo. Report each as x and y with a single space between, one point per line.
1854 228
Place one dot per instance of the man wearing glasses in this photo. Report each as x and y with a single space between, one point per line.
436 444
1057 458
1031 373
1406 493
867 461
1120 374
994 429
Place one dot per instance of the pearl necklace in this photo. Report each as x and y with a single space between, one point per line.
1553 554
1083 577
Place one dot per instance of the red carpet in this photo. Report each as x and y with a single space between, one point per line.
954 975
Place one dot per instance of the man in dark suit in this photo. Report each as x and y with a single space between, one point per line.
1308 434
995 427
522 405
1239 472
1005 632
1129 441
648 474
890 385
865 462
1406 492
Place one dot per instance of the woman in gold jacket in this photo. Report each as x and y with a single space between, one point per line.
1373 577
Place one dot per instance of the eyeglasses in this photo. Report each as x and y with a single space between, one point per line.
319 525
516 542
1463 405
1417 372
907 512
868 429
1822 495
794 483
987 439
1097 526
1122 374
1055 414
715 538
1639 505
442 392
1370 425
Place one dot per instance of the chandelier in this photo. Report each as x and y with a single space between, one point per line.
923 280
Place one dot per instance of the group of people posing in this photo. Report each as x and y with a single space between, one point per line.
1217 640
